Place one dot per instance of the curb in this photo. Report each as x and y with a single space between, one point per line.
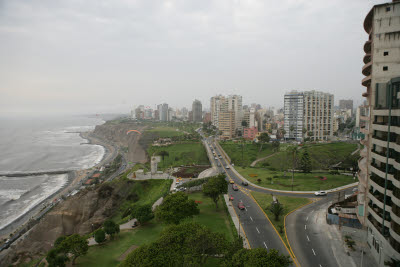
290 253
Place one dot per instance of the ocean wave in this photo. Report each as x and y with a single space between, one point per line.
12 194
28 201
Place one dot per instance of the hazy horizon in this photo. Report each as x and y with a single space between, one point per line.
98 56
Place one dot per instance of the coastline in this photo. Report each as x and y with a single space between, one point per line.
73 182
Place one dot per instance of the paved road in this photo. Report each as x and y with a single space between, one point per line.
309 243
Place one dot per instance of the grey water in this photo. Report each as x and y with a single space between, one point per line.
41 144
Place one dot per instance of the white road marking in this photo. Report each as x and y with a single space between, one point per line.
307 218
313 252
312 211
251 218
305 227
308 238
245 208
320 265
257 230
265 245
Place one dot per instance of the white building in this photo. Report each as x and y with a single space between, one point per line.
293 115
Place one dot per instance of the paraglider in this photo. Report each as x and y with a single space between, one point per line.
133 131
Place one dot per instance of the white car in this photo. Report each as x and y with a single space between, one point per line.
227 167
320 193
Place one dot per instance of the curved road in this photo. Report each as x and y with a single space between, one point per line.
310 243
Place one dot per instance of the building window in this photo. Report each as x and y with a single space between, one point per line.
385 53
385 68
387 8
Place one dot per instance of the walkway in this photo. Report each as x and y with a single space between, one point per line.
261 159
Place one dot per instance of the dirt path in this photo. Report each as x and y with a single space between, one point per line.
126 253
261 159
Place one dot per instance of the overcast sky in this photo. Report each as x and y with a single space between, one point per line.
107 56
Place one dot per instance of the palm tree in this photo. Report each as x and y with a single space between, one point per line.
277 209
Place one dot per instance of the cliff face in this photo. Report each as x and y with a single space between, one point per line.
82 213
117 134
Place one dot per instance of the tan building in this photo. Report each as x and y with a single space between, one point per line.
379 167
227 124
231 104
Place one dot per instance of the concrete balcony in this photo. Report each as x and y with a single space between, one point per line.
375 200
377 216
367 58
366 70
366 82
367 47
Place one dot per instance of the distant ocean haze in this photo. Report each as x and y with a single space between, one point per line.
45 144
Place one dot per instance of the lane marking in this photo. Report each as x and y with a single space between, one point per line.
312 211
305 227
265 245
257 230
313 252
307 218
251 219
308 238
245 208
320 265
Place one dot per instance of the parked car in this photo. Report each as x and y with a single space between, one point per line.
241 205
245 183
227 167
320 193
220 156
234 187
231 181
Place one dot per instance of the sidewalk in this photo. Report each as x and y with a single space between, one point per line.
236 222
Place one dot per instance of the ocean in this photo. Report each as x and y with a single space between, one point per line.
41 145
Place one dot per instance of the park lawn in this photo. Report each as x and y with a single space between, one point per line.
166 131
289 204
148 192
251 152
301 181
322 156
108 253
216 220
181 154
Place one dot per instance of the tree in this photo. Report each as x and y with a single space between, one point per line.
75 245
283 133
276 145
214 187
305 162
163 153
277 209
259 257
175 208
99 235
263 138
111 228
186 244
143 213
291 129
55 258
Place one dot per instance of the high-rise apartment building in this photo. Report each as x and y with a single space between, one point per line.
379 167
197 111
318 115
163 112
308 114
346 104
230 106
293 115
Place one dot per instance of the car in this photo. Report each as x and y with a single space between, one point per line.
227 167
241 205
245 183
231 181
216 158
234 187
220 156
320 193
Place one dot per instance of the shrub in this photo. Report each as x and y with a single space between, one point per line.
99 235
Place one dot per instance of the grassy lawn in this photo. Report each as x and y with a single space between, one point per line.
301 182
181 154
166 131
251 152
108 253
217 220
147 192
289 204
322 156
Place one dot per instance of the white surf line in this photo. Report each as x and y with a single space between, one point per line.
257 230
308 238
313 252
305 227
265 245
251 219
